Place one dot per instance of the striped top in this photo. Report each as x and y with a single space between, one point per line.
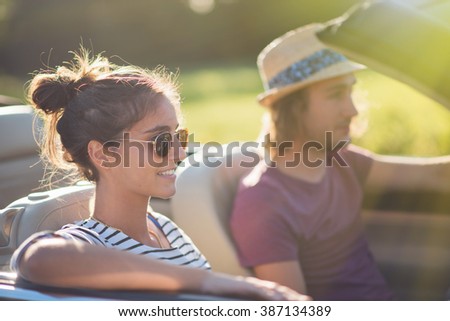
182 250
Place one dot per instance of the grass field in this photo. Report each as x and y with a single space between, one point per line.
400 120
219 104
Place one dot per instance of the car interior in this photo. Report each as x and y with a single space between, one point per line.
408 231
20 167
409 238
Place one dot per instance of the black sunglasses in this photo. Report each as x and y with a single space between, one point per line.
162 142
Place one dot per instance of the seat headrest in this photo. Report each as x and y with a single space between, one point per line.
206 186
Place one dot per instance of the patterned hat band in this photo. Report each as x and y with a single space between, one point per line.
305 68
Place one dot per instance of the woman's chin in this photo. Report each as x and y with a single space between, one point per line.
165 194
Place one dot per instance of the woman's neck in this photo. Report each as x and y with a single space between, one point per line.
122 210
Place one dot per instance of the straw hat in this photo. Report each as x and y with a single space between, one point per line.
298 59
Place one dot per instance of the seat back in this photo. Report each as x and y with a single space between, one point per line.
206 187
20 166
49 211
412 251
40 212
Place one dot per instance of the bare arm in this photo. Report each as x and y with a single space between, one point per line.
59 262
409 173
288 273
63 263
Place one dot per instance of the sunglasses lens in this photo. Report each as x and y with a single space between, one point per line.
162 144
164 141
182 136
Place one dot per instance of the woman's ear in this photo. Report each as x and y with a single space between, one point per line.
104 155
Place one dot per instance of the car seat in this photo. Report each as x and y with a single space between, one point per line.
410 248
206 186
20 166
49 210
39 212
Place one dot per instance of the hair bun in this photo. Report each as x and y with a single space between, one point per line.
51 92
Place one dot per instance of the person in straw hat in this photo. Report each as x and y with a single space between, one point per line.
296 218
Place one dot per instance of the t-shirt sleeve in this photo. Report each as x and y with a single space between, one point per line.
260 233
360 160
68 232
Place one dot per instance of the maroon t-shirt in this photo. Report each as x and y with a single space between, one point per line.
280 218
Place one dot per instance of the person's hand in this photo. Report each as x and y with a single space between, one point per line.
249 287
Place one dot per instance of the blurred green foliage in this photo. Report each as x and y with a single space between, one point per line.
12 86
394 118
401 121
215 54
34 33
219 105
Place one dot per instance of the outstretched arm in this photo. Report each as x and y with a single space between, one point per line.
89 266
409 174
287 273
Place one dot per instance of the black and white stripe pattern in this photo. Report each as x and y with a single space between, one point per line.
182 251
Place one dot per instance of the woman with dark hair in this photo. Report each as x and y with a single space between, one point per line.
120 128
